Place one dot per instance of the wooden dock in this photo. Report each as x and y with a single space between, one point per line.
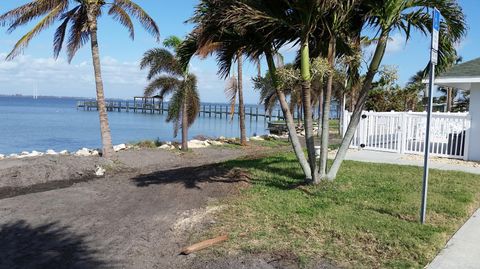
206 110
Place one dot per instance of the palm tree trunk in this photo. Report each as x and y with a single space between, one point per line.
326 111
307 108
320 113
360 103
184 124
259 67
241 106
292 132
449 99
107 147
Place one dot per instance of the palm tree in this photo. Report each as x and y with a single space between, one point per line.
198 44
387 16
81 21
233 89
269 24
168 76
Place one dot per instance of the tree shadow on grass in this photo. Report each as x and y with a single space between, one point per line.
45 246
234 171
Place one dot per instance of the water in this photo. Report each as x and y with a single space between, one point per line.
55 123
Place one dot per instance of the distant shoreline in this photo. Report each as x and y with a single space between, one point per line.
108 99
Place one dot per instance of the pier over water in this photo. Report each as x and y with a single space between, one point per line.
155 105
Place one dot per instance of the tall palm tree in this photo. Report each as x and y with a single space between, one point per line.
81 21
216 44
233 90
168 76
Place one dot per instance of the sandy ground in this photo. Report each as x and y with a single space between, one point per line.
139 216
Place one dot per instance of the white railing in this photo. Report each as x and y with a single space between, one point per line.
404 132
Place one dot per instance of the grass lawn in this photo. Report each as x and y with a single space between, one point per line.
367 218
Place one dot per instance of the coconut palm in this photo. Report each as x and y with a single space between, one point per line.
168 76
80 18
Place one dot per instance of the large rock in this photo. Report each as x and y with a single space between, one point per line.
51 152
196 144
256 138
119 147
26 154
35 154
84 152
167 147
2 156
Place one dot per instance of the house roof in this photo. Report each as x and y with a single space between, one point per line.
464 70
464 76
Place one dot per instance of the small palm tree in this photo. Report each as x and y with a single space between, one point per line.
81 21
168 76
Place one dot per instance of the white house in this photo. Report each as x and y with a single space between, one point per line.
466 76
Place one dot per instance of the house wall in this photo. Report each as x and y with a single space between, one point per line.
474 138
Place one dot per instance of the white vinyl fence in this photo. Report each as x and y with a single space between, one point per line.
404 132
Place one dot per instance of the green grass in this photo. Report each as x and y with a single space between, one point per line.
367 218
147 143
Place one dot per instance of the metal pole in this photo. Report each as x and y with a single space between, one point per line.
427 144
433 62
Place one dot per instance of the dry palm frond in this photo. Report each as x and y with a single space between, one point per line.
231 91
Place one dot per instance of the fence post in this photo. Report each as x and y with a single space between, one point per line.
467 127
403 132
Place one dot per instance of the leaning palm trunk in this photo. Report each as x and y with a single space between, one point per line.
357 112
107 148
307 109
185 122
292 132
326 111
241 106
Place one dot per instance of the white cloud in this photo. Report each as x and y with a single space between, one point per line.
58 77
121 79
396 43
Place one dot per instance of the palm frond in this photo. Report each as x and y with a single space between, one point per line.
120 15
231 91
163 84
44 23
187 50
192 99
160 60
28 12
78 33
145 20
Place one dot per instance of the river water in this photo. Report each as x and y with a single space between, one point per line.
28 124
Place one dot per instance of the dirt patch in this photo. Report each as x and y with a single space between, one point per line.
132 218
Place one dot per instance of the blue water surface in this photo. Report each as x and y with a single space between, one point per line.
55 123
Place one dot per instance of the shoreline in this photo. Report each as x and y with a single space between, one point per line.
199 142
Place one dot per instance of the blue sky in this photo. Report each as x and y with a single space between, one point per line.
120 56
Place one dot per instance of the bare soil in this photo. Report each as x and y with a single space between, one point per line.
55 214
